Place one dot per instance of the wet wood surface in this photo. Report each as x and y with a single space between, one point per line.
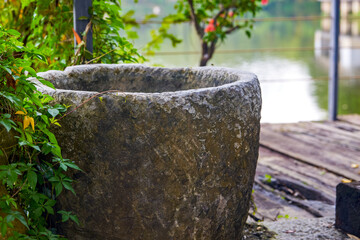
300 165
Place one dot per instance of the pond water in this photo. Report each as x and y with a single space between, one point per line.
293 76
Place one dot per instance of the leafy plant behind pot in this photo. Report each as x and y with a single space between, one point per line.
32 171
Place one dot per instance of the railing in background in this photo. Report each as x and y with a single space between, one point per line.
81 10
81 7
334 61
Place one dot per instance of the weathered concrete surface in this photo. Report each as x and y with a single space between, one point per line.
348 207
172 155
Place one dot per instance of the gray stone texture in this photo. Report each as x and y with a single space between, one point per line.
348 207
171 155
306 229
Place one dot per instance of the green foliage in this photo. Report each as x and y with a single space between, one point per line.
213 21
107 24
47 26
268 178
33 175
286 216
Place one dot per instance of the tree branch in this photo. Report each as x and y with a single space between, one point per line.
199 29
212 48
219 13
232 29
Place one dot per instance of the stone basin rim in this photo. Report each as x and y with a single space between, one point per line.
244 77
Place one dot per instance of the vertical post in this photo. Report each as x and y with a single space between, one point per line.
334 60
81 10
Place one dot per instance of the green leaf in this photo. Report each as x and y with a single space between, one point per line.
26 3
54 179
47 83
63 166
11 97
45 119
51 136
13 32
64 215
27 143
40 57
29 137
8 70
32 178
7 124
9 218
268 178
58 188
53 112
21 218
68 186
56 150
72 165
3 229
49 209
50 203
75 219
38 211
30 70
46 148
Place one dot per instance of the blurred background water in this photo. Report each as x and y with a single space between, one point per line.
287 51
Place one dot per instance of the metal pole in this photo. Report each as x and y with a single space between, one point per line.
334 60
81 19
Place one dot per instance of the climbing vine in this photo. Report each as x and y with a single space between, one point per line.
32 171
37 36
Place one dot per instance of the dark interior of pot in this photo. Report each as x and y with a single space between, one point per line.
137 78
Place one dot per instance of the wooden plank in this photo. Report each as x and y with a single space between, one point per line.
313 156
330 142
330 139
340 129
294 187
352 118
317 141
307 152
292 167
280 165
346 126
315 208
270 206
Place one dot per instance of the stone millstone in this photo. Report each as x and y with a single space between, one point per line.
171 155
348 207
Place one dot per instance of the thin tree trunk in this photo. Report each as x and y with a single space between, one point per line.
207 52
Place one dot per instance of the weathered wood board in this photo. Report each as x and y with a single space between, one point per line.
303 163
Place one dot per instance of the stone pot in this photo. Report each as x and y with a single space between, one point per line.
170 155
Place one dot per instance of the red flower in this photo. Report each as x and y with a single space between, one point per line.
210 28
264 2
231 13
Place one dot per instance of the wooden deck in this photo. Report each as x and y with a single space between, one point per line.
300 165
